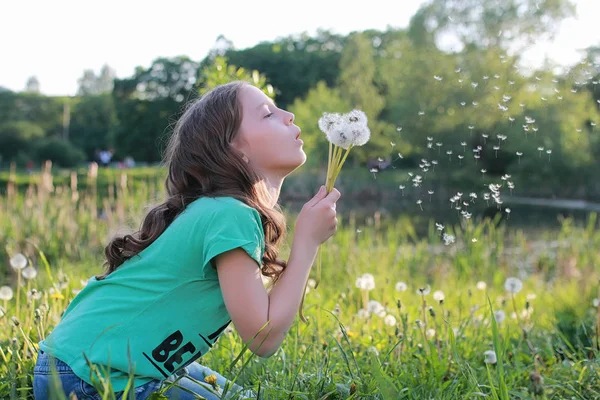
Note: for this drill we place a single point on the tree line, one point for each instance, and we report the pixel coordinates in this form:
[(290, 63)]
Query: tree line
[(468, 103)]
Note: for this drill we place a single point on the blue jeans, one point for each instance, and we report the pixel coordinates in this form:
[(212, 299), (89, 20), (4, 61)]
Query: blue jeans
[(71, 383)]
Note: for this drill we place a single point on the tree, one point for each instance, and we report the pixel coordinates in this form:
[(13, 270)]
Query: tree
[(32, 85), (148, 103), (294, 64), (490, 23), (17, 139), (93, 123), (87, 83), (219, 73)]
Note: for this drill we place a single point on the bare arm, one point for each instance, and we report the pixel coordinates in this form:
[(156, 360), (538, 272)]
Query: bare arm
[(247, 301), (249, 304)]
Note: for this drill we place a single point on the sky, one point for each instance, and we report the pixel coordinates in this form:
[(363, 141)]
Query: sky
[(56, 40)]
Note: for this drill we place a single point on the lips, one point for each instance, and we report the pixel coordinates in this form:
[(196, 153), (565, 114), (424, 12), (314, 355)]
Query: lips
[(298, 135)]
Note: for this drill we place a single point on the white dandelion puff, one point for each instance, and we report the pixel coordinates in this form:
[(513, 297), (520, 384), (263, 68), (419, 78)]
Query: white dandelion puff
[(29, 272), (390, 320), (18, 262), (6, 293), (490, 357), (481, 285), (401, 286), (513, 285), (438, 295)]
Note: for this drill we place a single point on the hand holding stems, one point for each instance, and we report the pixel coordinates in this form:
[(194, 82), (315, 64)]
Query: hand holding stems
[(343, 132)]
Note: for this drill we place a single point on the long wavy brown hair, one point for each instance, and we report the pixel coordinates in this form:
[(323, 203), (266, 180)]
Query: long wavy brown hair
[(202, 162)]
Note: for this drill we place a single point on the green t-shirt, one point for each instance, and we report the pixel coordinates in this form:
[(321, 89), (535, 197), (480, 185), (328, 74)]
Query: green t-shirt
[(165, 304)]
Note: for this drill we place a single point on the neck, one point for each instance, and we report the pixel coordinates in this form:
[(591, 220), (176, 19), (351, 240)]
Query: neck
[(273, 183)]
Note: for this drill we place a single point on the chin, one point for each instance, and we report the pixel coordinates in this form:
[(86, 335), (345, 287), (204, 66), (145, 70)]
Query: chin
[(299, 162)]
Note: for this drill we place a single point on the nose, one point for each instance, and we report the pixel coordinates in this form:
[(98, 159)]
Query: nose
[(289, 118)]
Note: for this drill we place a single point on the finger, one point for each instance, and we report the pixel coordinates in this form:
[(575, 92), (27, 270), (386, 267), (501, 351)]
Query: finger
[(321, 194), (333, 196)]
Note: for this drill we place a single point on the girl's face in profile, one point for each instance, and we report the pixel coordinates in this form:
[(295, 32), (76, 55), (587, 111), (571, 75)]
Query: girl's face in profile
[(267, 134)]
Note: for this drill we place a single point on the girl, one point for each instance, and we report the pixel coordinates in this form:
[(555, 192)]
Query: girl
[(172, 288)]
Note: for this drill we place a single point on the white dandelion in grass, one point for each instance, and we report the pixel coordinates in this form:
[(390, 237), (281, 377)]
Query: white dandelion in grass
[(401, 286), (500, 316), (6, 293), (402, 187), (519, 154), (490, 357), (420, 204), (439, 296), (29, 272), (513, 285), (365, 282), (549, 152), (438, 78), (481, 285), (363, 314), (390, 320), (424, 290), (430, 193), (540, 149), (507, 211), (430, 333), (18, 262)]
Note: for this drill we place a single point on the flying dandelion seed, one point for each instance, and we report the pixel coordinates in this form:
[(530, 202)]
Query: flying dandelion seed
[(519, 154), (437, 78), (464, 146), (496, 148), (421, 113), (399, 129), (549, 152), (430, 192), (460, 157), (448, 239), (402, 187), (439, 227), (374, 171), (419, 203), (507, 211), (474, 240)]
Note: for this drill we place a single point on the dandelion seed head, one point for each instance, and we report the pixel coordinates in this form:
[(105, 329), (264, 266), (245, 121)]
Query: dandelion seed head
[(438, 295), (401, 286), (424, 290), (29, 272), (6, 293), (390, 320), (18, 261), (490, 357), (481, 285), (513, 285)]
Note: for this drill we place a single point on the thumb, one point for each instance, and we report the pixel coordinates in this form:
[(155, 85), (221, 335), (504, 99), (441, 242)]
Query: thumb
[(321, 194)]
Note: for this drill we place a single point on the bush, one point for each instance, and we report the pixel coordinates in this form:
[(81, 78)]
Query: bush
[(60, 152)]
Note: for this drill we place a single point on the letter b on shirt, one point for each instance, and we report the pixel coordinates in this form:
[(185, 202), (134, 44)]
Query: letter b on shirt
[(162, 353)]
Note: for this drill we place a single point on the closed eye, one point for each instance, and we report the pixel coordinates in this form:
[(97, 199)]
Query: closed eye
[(268, 115)]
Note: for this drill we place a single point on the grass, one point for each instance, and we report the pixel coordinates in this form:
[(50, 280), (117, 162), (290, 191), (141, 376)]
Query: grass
[(409, 346)]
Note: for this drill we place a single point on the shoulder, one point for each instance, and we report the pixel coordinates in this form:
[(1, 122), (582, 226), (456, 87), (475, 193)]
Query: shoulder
[(222, 208)]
